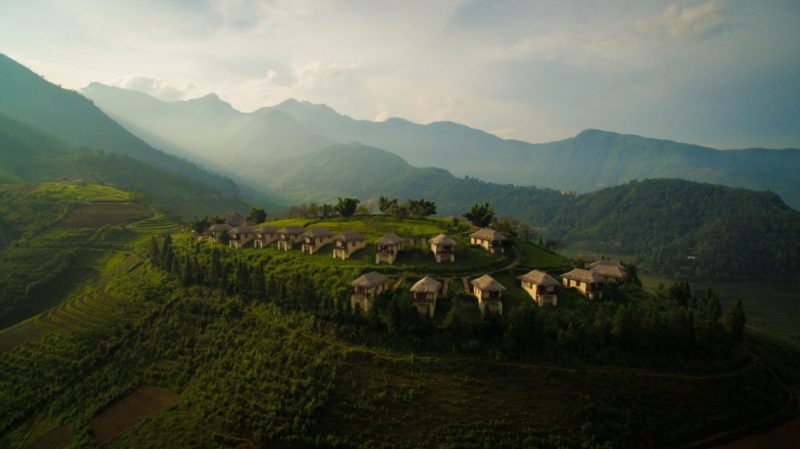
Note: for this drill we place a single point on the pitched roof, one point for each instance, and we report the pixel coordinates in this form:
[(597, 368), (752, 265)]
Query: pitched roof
[(291, 230), (267, 230), (389, 239), (488, 234), (217, 227), (579, 274), (232, 218), (488, 283), (539, 278), (442, 239), (611, 271), (371, 279), (426, 285), (317, 232), (606, 262), (242, 230), (349, 236)]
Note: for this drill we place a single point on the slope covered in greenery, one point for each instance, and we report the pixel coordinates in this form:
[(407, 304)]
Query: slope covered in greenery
[(28, 155), (27, 97), (591, 160), (674, 227)]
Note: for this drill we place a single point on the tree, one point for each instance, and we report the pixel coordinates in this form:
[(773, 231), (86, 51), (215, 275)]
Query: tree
[(734, 321), (199, 225), (421, 207), (347, 206), (386, 205), (256, 216), (480, 215)]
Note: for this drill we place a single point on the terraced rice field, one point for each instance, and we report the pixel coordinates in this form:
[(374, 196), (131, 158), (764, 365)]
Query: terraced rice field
[(82, 314), (129, 410), (157, 224), (97, 215)]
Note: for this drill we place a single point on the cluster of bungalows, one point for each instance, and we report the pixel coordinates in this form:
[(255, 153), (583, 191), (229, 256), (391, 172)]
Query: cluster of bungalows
[(590, 280)]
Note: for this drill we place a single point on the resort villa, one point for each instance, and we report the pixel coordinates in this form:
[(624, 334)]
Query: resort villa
[(315, 239), (490, 240), (216, 230), (366, 288), (489, 293), (424, 295), (610, 270), (387, 248), (443, 248), (541, 286), (233, 219), (589, 283), (288, 236), (265, 236), (346, 243), (241, 236)]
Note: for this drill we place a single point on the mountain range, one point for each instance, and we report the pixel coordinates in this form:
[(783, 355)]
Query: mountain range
[(211, 130)]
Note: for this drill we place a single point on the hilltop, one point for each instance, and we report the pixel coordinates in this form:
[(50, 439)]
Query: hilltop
[(591, 160)]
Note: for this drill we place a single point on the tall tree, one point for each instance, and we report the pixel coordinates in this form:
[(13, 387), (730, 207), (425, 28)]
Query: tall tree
[(347, 206), (480, 215), (256, 216), (386, 205), (421, 207)]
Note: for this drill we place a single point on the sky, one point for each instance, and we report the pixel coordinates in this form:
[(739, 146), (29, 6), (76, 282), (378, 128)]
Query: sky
[(723, 73)]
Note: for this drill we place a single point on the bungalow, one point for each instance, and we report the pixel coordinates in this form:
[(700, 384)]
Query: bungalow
[(588, 282), (241, 236), (489, 293), (346, 243), (610, 270), (387, 248), (541, 286), (288, 236), (443, 248), (315, 239), (233, 219), (490, 240), (265, 236), (366, 288), (424, 295), (216, 230)]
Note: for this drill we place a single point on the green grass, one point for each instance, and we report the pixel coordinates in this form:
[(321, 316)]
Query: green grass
[(534, 256), (82, 193)]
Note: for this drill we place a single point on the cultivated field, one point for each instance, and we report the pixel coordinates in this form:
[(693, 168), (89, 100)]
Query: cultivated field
[(97, 215), (129, 410)]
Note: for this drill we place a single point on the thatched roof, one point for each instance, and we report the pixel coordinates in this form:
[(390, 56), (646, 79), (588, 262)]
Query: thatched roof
[(442, 239), (219, 227), (539, 278), (369, 280), (292, 230), (267, 230), (232, 218), (389, 239), (488, 234), (610, 271), (242, 230), (426, 285), (317, 233), (488, 283), (349, 236), (581, 275), (606, 262)]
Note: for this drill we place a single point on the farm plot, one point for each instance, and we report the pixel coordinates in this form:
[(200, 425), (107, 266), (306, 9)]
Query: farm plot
[(57, 438), (97, 215), (127, 411)]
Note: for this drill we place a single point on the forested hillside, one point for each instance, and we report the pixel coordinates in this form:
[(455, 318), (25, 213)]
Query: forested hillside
[(591, 160), (675, 227), (28, 155), (27, 97)]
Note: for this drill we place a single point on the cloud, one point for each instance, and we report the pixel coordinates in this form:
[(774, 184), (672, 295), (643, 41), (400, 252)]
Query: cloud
[(691, 22), (154, 86)]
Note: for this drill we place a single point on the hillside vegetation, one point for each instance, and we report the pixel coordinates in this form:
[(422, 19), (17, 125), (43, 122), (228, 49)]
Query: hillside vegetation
[(674, 227), (591, 160)]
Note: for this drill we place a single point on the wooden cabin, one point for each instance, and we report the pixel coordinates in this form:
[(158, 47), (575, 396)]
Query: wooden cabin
[(315, 239), (241, 236), (288, 236), (611, 271), (443, 248), (346, 243), (217, 229), (366, 288), (541, 287), (424, 295), (265, 236), (489, 293), (588, 282), (490, 240), (387, 248)]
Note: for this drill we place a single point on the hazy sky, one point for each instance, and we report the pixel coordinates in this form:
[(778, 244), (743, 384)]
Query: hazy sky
[(724, 73)]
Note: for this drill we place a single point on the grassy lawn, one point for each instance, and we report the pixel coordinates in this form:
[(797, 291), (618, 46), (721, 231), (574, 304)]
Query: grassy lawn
[(534, 256)]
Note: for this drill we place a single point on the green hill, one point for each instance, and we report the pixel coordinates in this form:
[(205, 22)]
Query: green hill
[(27, 97), (591, 160), (29, 155), (725, 231)]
